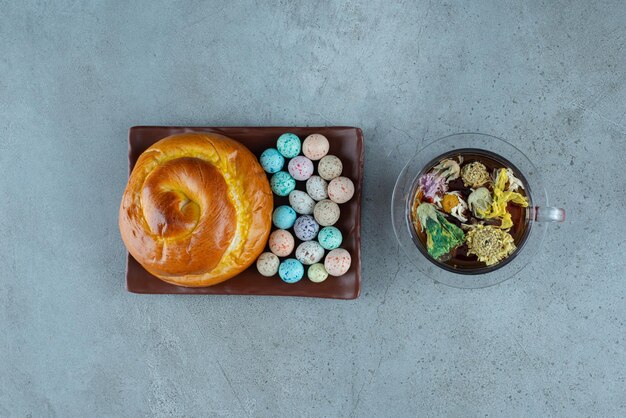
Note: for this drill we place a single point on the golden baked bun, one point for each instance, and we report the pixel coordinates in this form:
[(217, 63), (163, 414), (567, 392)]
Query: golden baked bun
[(197, 209)]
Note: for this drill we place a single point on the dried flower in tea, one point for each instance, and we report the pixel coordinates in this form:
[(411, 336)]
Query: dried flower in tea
[(479, 201), (432, 186), (454, 204), (448, 202), (500, 200), (514, 182), (489, 244), (474, 174), (448, 169), (441, 235)]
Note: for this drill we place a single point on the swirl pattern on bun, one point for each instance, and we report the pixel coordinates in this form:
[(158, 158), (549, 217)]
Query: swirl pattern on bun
[(197, 209)]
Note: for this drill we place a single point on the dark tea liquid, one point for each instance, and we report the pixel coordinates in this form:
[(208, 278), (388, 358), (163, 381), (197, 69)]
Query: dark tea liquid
[(458, 260)]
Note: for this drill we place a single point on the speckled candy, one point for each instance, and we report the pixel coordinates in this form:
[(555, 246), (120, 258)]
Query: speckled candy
[(329, 237), (282, 183), (315, 146), (291, 270), (306, 228), (317, 188), (288, 145), (284, 217), (281, 242), (329, 167), (337, 262), (301, 202), (309, 252), (317, 273), (272, 161), (340, 189), (300, 168), (267, 264), (326, 212)]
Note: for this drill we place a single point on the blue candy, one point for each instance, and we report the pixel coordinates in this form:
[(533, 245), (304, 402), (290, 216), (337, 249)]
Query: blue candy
[(291, 270), (330, 237), (289, 145), (282, 183), (306, 228), (272, 161), (284, 217)]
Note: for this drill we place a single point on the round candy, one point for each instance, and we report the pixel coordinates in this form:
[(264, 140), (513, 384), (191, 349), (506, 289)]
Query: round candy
[(317, 188), (309, 252), (306, 228), (291, 270), (337, 262), (284, 217), (282, 183), (340, 189), (329, 167), (315, 146), (288, 145), (326, 212), (301, 202), (281, 243), (267, 264), (300, 168), (272, 161), (317, 273), (329, 237)]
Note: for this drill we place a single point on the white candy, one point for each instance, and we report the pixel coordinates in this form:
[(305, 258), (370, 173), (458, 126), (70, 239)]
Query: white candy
[(317, 188), (326, 212), (309, 252), (329, 167), (301, 202), (267, 264)]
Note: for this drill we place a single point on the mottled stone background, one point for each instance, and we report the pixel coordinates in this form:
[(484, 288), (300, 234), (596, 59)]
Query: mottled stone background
[(74, 75)]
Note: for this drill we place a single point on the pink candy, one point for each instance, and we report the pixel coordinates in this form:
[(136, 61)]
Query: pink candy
[(337, 262), (300, 168)]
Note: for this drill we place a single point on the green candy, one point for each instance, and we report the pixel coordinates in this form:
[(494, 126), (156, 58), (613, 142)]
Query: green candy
[(330, 237), (282, 183), (289, 145)]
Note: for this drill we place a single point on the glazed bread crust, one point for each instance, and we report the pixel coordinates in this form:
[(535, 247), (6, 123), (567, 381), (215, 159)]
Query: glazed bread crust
[(197, 209)]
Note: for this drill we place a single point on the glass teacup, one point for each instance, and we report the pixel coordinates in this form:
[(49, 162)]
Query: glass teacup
[(531, 223)]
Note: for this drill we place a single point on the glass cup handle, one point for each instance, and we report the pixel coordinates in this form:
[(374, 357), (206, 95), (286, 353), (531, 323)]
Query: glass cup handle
[(549, 214)]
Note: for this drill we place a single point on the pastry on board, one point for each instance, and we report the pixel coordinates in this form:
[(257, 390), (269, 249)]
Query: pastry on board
[(197, 209)]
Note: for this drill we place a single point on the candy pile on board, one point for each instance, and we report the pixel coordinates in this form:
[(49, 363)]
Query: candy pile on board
[(310, 215)]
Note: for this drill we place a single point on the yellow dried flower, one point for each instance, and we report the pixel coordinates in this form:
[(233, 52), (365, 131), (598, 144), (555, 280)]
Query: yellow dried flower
[(490, 244), (448, 202), (474, 174), (500, 200)]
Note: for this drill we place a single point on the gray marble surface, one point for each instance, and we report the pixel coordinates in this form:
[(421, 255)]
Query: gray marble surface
[(548, 76)]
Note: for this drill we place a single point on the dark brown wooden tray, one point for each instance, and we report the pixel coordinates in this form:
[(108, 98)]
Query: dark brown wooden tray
[(345, 142)]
